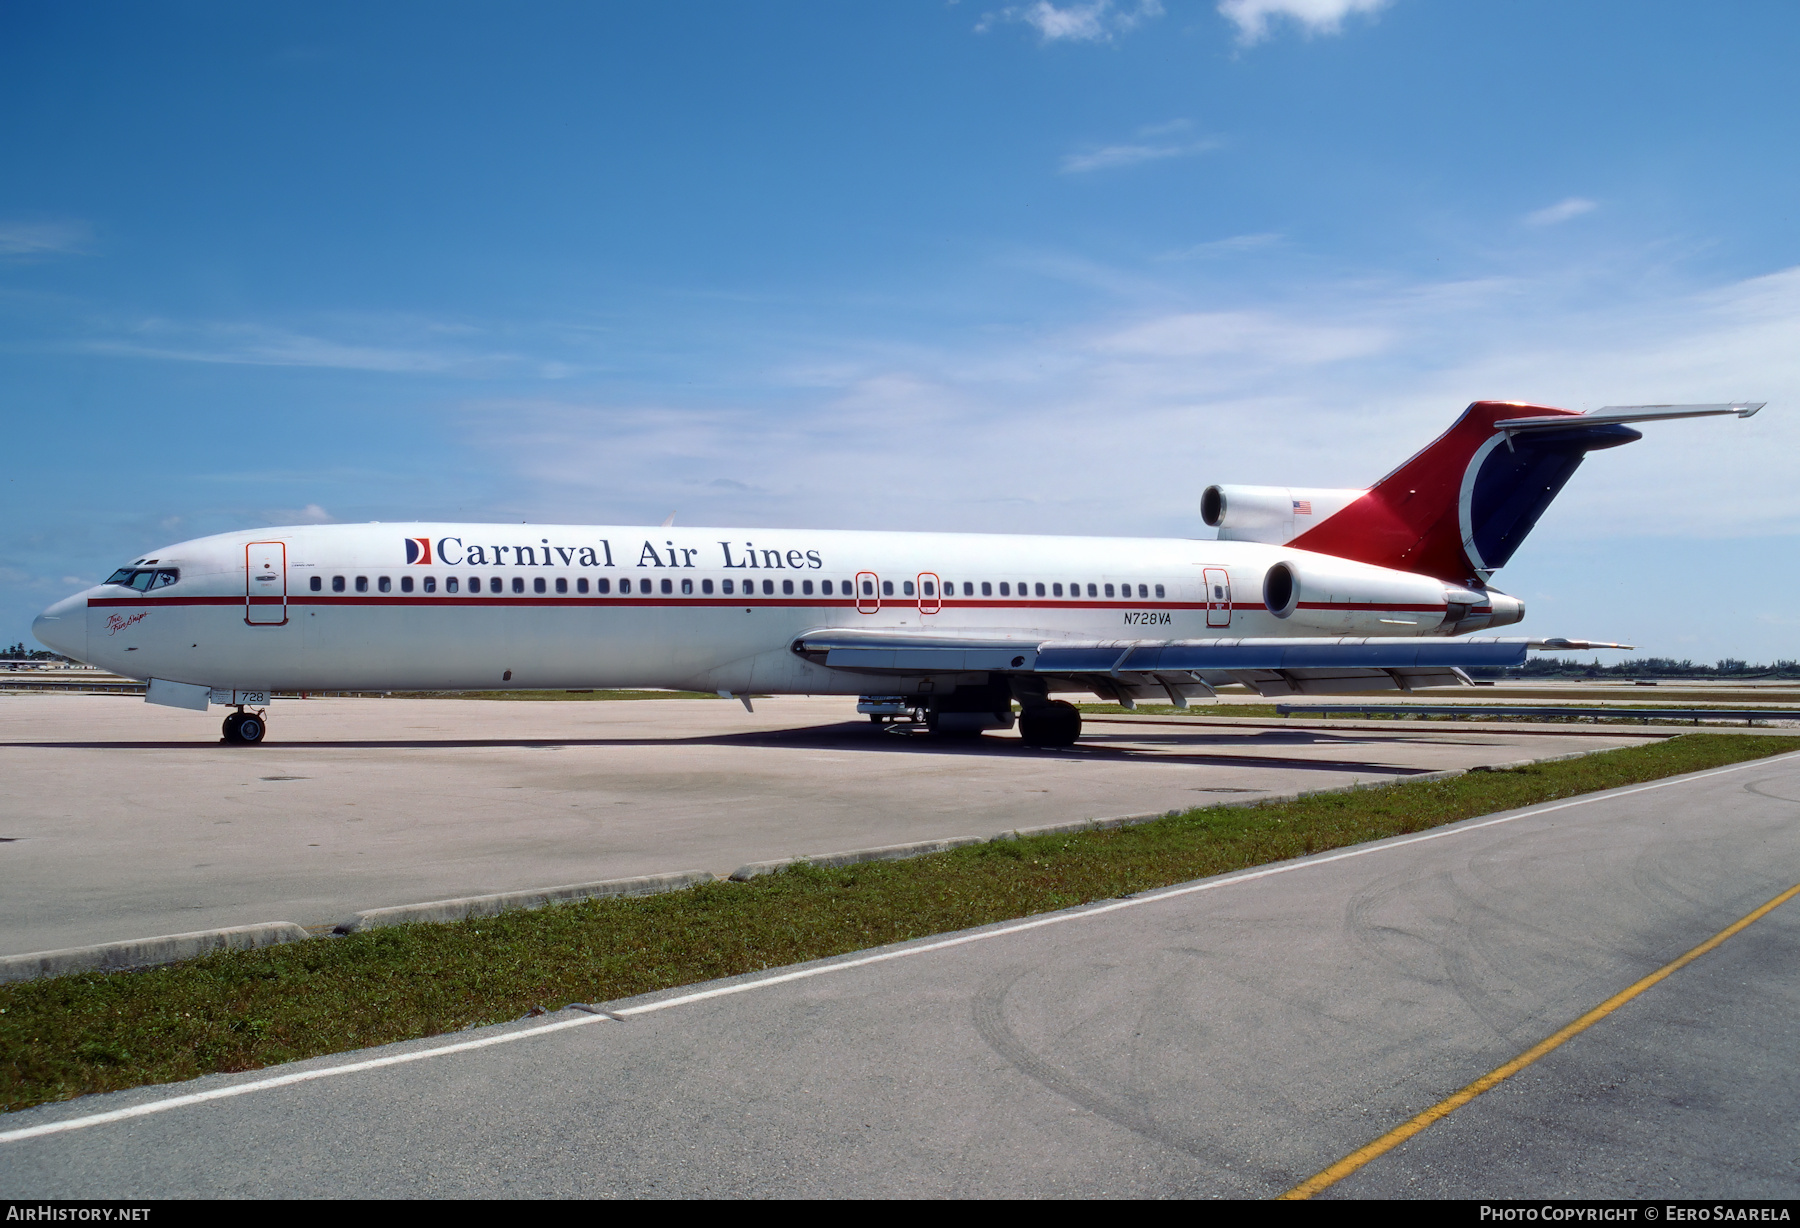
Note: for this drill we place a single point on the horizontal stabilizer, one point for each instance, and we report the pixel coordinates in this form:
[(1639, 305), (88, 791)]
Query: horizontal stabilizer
[(1629, 413)]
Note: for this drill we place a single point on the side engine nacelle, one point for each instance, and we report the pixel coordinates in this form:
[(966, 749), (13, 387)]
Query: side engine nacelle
[(1346, 598), (1275, 515)]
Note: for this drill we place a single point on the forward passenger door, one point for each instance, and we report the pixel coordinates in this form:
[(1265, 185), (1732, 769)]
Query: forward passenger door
[(265, 584)]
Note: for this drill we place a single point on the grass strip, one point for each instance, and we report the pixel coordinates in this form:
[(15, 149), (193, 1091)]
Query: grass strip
[(1626, 712), (236, 1011)]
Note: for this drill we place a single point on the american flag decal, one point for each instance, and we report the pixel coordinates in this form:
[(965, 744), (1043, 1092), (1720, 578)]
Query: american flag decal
[(1302, 507)]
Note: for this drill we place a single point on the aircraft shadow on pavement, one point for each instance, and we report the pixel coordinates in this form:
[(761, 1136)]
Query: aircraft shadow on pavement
[(1163, 747)]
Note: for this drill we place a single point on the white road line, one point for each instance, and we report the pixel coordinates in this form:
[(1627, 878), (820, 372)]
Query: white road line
[(300, 1076), (782, 978)]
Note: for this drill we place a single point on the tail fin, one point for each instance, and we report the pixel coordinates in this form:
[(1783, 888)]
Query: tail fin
[(1459, 509)]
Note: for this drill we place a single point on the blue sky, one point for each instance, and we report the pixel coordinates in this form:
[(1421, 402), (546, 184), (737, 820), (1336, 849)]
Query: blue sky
[(1018, 268)]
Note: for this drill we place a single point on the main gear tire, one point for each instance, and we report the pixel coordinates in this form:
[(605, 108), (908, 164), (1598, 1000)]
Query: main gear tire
[(1057, 724)]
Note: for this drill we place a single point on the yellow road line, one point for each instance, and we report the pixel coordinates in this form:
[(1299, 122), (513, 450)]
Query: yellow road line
[(1399, 1134)]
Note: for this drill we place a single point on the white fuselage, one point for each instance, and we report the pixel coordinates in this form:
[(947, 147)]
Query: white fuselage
[(484, 607)]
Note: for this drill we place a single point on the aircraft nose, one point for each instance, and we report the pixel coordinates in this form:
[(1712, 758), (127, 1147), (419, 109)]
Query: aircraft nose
[(63, 627)]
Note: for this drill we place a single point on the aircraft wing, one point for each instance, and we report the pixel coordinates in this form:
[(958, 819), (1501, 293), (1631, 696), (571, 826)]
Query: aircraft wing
[(1181, 670)]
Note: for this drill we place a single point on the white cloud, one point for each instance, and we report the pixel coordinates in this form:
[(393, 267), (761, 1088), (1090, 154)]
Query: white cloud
[(1150, 144), (1561, 211), (43, 238), (1094, 22), (1109, 156), (1254, 17), (1249, 336), (1235, 245), (408, 347)]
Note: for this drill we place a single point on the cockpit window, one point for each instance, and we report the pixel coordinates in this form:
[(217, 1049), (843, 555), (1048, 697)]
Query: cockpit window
[(144, 579)]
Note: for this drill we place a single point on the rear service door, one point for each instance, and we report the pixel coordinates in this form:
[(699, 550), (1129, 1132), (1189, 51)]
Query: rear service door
[(265, 583), (1218, 597)]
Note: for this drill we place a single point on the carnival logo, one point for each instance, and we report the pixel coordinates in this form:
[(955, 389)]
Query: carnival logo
[(116, 624), (418, 550)]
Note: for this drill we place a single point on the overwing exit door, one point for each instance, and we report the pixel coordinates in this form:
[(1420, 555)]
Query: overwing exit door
[(1218, 596), (929, 600), (265, 583)]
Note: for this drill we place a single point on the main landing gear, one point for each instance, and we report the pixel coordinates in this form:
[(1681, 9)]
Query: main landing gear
[(244, 728), (1057, 723)]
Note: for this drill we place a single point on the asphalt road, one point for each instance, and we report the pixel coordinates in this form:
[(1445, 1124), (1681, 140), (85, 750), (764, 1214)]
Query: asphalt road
[(1226, 1038), (120, 820)]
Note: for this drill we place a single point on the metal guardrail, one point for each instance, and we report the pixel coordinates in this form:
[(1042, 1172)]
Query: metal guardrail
[(86, 688), (1696, 715)]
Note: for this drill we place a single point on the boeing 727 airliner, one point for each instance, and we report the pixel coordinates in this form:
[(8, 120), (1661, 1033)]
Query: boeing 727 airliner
[(1303, 592)]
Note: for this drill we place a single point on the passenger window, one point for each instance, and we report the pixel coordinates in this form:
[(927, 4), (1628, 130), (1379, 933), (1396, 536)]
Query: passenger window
[(317, 584), (1159, 592), (450, 584), (603, 586), (725, 587), (929, 592), (844, 588), (1109, 590), (474, 584), (518, 584), (537, 584), (687, 587), (406, 584), (562, 584), (1056, 589), (806, 588), (581, 585), (869, 588), (1005, 589), (987, 588), (706, 587), (887, 588), (385, 585), (768, 588), (1040, 589), (625, 585), (906, 587), (1142, 591), (431, 584), (825, 587), (362, 584), (968, 588), (1092, 591), (787, 588), (668, 586)]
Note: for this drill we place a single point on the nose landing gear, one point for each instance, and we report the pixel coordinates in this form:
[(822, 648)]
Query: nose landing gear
[(244, 728)]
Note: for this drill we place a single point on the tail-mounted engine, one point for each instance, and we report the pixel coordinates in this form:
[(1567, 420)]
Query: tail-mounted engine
[(1346, 598)]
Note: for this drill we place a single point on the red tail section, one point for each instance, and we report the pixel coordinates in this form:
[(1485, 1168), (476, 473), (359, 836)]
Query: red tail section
[(1428, 516)]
